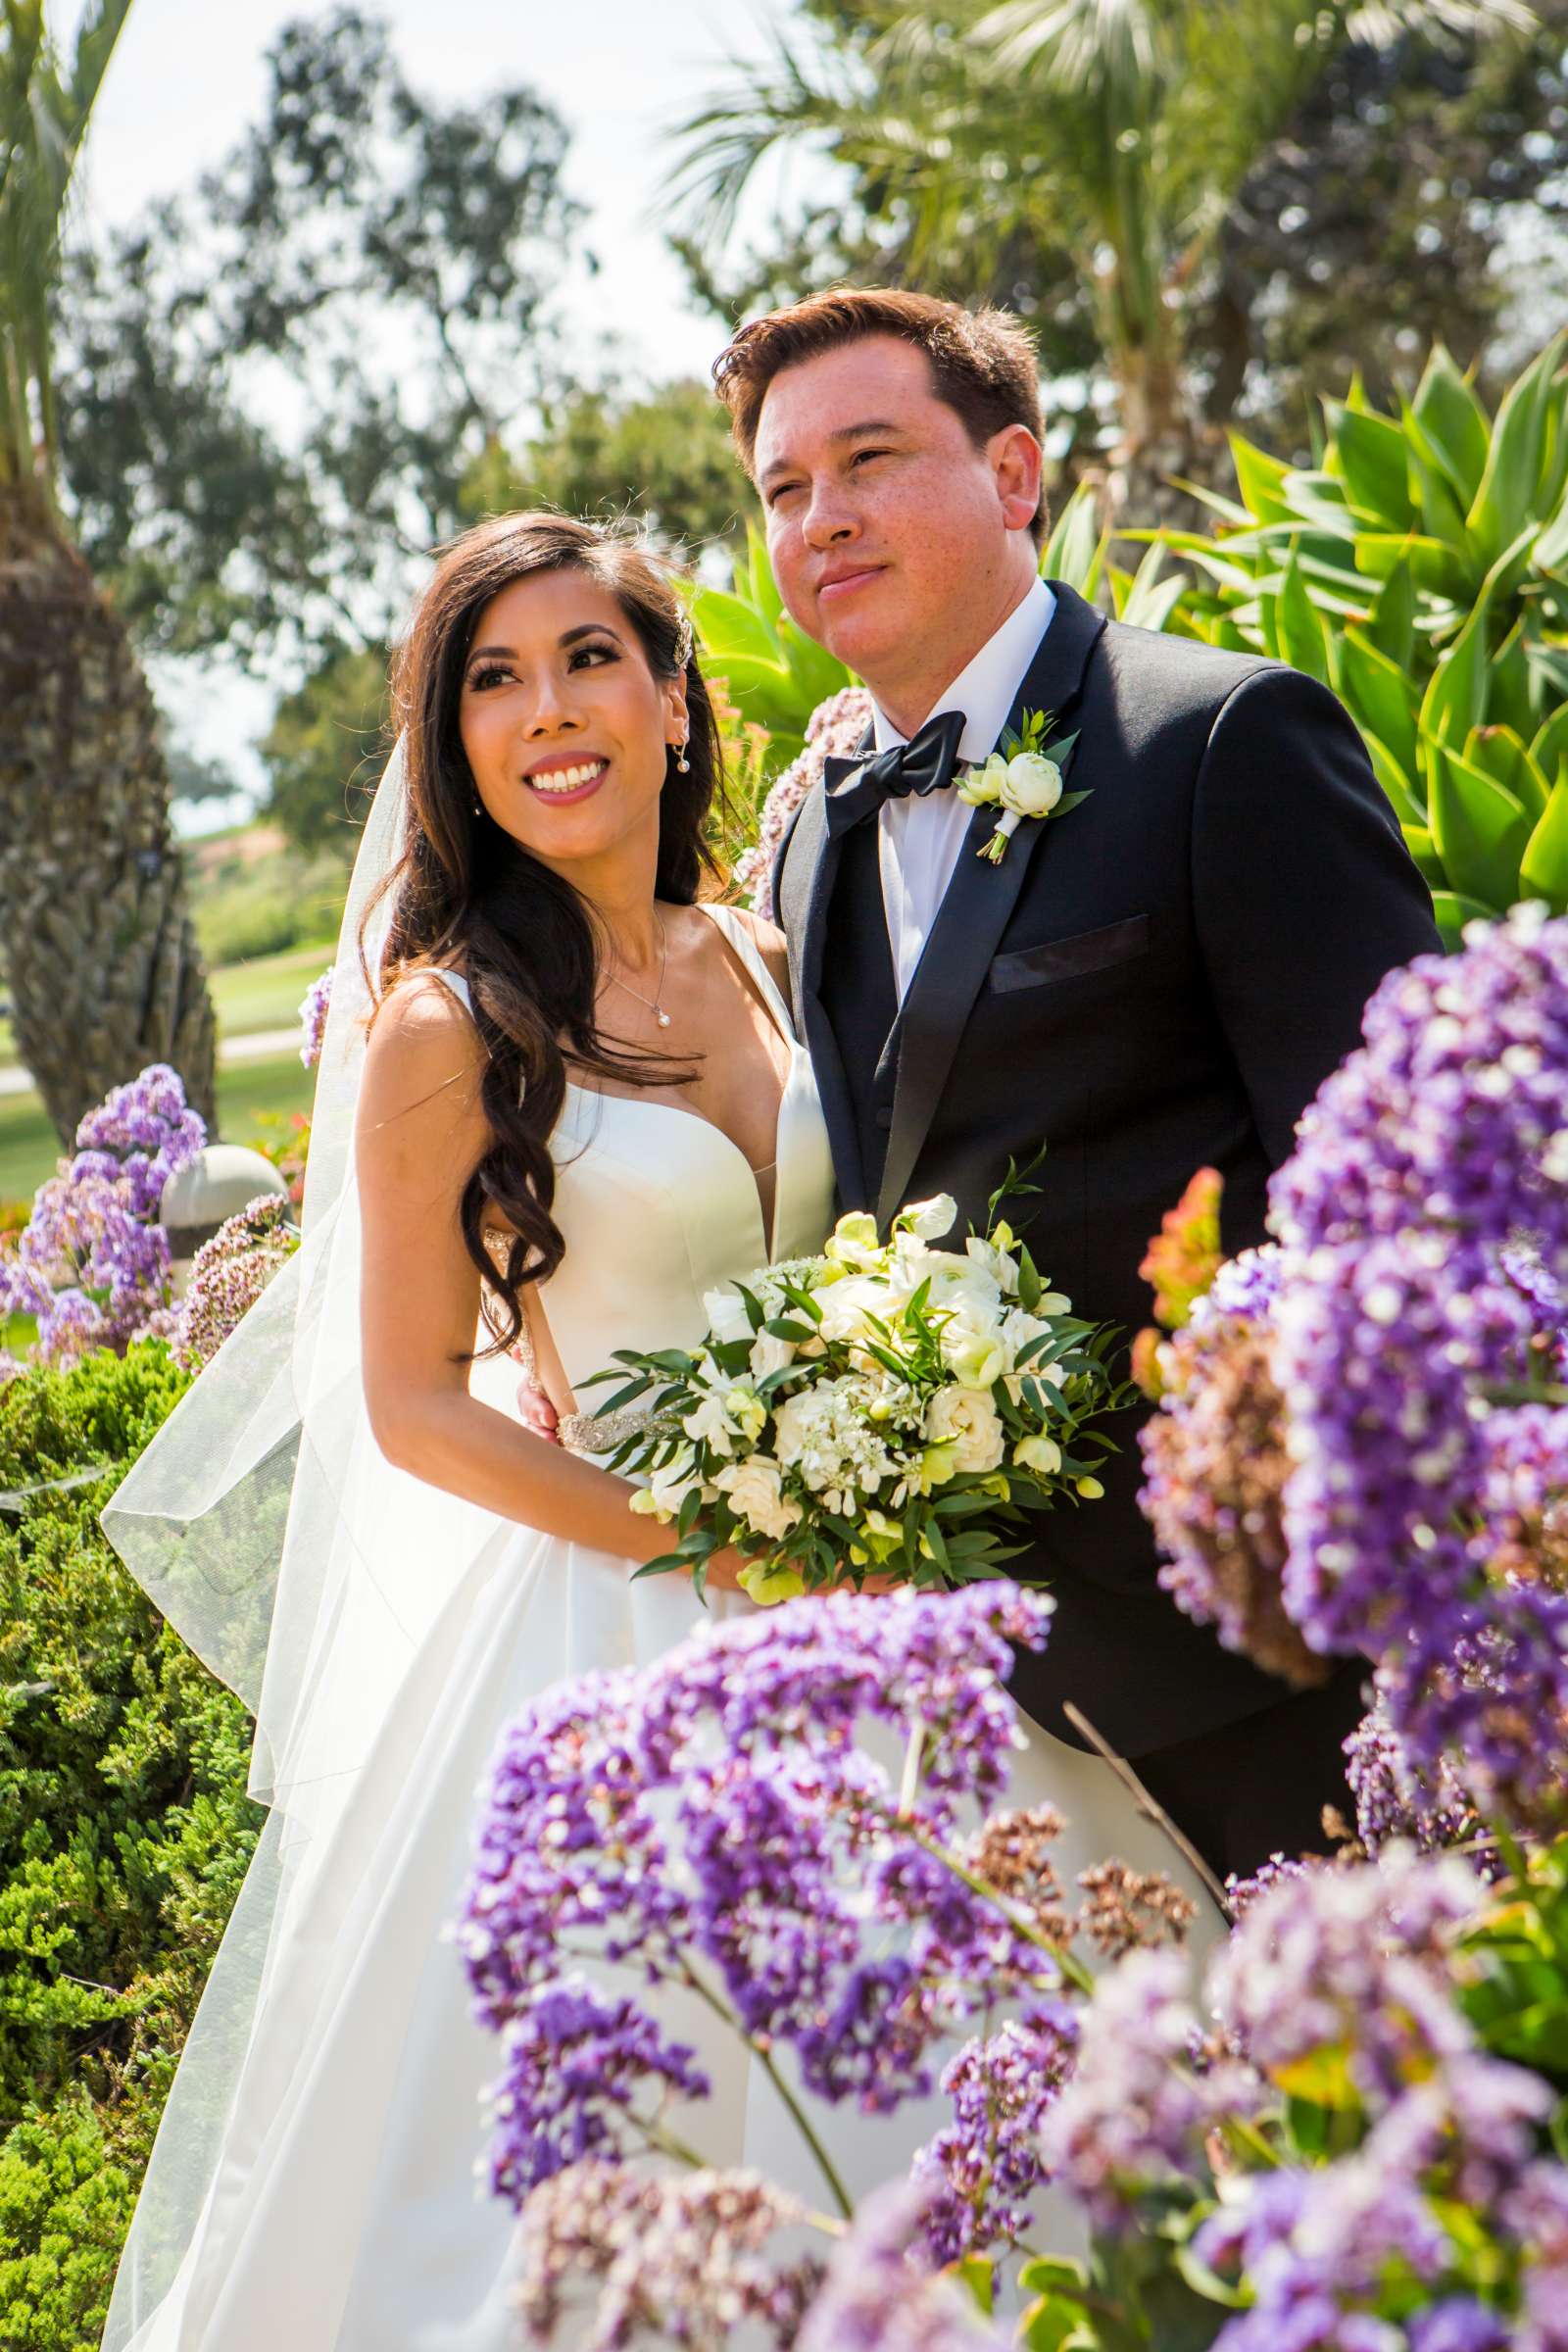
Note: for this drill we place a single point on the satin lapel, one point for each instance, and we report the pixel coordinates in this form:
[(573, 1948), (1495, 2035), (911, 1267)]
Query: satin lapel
[(811, 870), (976, 910)]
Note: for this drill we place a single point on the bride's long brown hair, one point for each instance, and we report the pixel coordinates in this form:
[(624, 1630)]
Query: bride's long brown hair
[(469, 894)]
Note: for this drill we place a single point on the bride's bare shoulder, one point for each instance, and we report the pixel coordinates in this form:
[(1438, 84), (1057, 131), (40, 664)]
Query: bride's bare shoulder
[(422, 1041), (768, 938)]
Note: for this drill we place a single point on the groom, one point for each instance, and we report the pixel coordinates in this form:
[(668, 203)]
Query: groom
[(1156, 980)]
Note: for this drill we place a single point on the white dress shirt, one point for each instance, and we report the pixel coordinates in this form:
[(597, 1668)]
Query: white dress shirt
[(919, 839)]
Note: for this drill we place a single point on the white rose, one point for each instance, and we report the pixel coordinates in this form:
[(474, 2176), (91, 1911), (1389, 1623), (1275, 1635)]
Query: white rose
[(795, 1424), (1032, 784), (756, 1491), (968, 1420), (846, 1305), (770, 1355), (726, 1315)]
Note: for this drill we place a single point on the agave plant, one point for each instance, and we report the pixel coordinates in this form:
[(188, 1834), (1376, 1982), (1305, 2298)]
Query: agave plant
[(1420, 568)]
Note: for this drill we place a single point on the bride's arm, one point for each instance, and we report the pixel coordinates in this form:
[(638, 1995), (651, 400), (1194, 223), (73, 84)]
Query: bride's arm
[(420, 1130)]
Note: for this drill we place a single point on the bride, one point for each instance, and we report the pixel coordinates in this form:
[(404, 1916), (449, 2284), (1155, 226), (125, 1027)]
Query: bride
[(560, 1098)]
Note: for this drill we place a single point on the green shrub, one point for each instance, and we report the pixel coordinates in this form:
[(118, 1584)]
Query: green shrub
[(125, 1832), (1420, 568)]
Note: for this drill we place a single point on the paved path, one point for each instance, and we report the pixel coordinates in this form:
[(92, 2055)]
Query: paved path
[(258, 1046)]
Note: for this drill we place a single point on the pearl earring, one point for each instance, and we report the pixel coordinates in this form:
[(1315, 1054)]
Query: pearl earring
[(682, 763)]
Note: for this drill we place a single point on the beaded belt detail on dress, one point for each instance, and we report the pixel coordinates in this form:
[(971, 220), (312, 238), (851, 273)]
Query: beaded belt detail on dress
[(580, 1433), (600, 1433)]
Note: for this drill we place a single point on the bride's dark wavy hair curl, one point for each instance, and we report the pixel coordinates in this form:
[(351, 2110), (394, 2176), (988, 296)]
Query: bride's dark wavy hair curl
[(469, 895)]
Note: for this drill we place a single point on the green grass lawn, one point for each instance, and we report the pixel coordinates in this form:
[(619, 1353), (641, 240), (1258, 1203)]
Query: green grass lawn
[(247, 1091), (263, 993)]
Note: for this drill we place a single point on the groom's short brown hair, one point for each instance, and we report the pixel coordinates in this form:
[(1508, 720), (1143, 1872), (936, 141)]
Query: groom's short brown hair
[(982, 362)]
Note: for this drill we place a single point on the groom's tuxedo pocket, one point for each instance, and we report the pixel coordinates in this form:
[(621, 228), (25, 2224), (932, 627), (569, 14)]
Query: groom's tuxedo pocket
[(1069, 959)]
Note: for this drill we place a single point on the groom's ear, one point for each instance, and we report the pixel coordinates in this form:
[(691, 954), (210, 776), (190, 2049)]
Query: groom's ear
[(1017, 464)]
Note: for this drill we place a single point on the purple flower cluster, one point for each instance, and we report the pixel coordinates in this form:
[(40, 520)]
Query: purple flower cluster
[(985, 2166), (579, 2066), (833, 731), (680, 2260), (1133, 2114), (712, 1814), (1426, 1213), (1316, 2247), (313, 1008), (1397, 1798), (92, 1264), (227, 1276), (880, 2296), (1351, 1962)]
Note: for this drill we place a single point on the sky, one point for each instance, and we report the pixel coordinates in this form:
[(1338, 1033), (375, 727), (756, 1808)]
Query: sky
[(188, 75)]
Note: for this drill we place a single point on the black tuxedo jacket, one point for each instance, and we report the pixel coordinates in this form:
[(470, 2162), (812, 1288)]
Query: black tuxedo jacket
[(1158, 980)]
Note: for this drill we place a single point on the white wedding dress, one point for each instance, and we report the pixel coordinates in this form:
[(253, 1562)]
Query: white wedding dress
[(340, 2209)]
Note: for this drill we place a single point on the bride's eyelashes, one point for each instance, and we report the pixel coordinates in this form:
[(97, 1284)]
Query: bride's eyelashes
[(497, 674)]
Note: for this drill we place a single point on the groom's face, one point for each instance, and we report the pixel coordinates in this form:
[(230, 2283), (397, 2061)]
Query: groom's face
[(890, 532)]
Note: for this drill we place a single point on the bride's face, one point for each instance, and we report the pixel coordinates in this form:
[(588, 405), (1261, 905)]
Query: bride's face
[(566, 725)]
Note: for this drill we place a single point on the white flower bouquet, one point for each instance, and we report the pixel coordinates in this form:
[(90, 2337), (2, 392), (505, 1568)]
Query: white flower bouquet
[(885, 1407)]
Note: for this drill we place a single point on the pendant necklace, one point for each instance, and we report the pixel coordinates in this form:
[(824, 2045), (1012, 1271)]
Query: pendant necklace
[(653, 1004)]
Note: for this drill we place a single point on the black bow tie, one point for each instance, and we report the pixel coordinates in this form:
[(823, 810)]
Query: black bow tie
[(858, 788)]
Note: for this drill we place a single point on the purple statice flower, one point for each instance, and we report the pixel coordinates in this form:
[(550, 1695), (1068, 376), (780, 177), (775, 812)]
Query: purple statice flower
[(584, 2073), (1276, 1871), (313, 1008), (570, 1856), (1459, 2323), (1216, 1465), (92, 1264), (1352, 1960), (985, 2166), (880, 2295), (1396, 1798), (1425, 1210), (715, 1808), (1245, 1284), (1535, 2217), (1132, 2114), (227, 1276), (1313, 2246), (681, 2260), (833, 731), (142, 1133)]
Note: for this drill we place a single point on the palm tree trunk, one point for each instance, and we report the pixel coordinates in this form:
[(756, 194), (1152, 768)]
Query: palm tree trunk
[(1161, 437), (104, 971)]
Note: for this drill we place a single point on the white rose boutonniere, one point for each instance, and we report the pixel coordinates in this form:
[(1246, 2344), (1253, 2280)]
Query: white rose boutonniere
[(1024, 779)]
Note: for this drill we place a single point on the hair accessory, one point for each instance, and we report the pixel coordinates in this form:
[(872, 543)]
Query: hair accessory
[(683, 641)]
